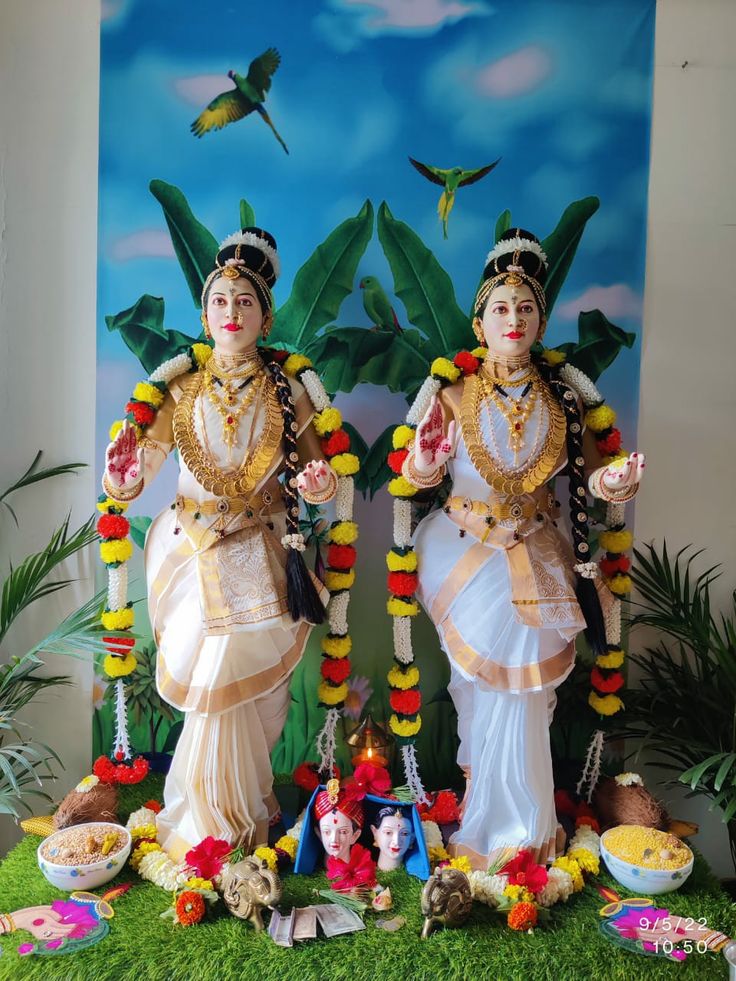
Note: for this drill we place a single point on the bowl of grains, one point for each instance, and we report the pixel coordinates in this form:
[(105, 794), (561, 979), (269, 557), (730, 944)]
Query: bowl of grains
[(84, 856), (645, 860)]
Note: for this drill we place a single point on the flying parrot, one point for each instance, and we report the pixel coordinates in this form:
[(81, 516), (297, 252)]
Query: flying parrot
[(451, 180), (377, 306), (248, 95)]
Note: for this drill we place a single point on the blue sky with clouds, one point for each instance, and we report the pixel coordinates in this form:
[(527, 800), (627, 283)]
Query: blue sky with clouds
[(560, 91)]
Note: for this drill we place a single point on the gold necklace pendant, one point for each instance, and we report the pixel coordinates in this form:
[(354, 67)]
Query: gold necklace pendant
[(227, 407)]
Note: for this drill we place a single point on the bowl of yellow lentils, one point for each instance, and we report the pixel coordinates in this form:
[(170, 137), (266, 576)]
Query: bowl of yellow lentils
[(646, 860), (84, 856)]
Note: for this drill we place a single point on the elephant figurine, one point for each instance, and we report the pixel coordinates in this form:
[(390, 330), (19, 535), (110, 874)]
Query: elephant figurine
[(248, 887), (446, 899)]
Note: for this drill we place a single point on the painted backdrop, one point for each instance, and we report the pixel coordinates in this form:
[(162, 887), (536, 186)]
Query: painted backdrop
[(559, 94)]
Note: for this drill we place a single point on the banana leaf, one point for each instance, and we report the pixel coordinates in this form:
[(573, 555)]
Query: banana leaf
[(423, 286), (139, 526), (347, 356), (562, 244), (194, 245), (247, 214), (375, 471), (598, 344), (142, 328), (322, 283), (503, 223), (359, 447)]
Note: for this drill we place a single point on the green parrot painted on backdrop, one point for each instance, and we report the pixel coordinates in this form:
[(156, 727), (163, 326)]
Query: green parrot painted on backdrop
[(451, 180), (248, 96), (376, 305)]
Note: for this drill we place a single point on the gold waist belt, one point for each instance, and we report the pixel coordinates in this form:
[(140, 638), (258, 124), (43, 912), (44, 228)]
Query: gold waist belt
[(497, 510), (222, 506)]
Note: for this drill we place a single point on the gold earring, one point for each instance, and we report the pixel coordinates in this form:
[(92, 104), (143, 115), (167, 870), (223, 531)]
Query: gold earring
[(478, 329), (206, 326), (266, 325)]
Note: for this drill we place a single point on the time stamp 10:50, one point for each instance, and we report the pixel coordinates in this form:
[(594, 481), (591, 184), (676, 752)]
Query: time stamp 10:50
[(683, 930)]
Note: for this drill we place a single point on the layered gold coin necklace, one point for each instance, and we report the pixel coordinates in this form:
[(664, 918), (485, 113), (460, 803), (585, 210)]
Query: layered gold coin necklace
[(223, 384)]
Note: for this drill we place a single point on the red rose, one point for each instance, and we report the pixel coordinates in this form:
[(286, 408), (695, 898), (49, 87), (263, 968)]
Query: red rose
[(337, 442), (142, 412), (609, 567), (607, 685), (406, 702), (113, 526), (466, 362), (341, 557), (611, 443), (336, 670), (208, 857), (402, 583), (396, 459)]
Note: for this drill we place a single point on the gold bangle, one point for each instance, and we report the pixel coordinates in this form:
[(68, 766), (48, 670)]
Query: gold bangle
[(325, 495), (117, 493), (421, 480)]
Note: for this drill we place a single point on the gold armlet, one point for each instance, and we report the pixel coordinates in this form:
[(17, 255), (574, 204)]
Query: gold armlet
[(324, 495), (421, 480), (117, 493)]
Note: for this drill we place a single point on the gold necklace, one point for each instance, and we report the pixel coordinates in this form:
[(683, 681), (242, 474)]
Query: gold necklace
[(516, 412), (535, 472), (256, 463), (228, 408)]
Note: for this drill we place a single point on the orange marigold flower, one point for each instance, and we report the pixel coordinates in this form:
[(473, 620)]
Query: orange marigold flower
[(523, 916), (189, 907)]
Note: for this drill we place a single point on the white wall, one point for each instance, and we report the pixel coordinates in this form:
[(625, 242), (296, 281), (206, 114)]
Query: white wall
[(48, 159)]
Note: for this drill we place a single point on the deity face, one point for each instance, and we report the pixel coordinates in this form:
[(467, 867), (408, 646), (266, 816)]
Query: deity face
[(234, 314), (338, 835), (511, 320), (393, 837)]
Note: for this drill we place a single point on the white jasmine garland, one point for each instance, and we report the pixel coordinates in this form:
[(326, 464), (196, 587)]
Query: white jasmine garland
[(488, 889), (432, 835), (294, 541), (170, 369), (430, 387), (579, 382), (315, 389), (344, 499), (615, 514), (250, 238), (612, 620), (159, 869), (338, 613), (117, 586), (586, 837), (402, 522), (144, 815), (517, 244), (296, 831), (402, 640), (558, 889)]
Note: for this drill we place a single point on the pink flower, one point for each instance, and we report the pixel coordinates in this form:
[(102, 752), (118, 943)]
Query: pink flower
[(367, 779), (360, 870), (522, 870), (208, 857)]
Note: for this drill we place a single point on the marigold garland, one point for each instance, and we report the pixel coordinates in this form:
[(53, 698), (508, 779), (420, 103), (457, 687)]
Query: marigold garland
[(336, 645), (190, 907), (523, 916), (402, 437), (401, 560)]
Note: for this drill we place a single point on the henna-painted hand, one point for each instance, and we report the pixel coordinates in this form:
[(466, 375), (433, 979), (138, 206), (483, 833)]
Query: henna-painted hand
[(431, 448), (314, 478), (124, 458), (624, 478)]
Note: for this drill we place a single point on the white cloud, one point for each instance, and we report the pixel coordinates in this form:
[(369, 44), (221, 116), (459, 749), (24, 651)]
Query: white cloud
[(145, 243), (618, 302), (199, 90), (517, 73)]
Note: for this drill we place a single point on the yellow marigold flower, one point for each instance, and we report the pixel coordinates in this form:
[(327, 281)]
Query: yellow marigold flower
[(119, 550), (400, 487), (115, 429), (329, 695), (461, 862), (615, 541), (339, 580), (196, 883), (572, 868), (122, 619), (145, 392), (288, 844), (519, 894), (202, 353), (337, 646), (403, 679), (268, 855), (402, 608), (606, 704), (108, 503), (294, 364), (405, 728), (553, 357), (614, 659), (480, 353), (143, 831), (402, 436), (401, 563), (145, 848), (444, 368), (345, 464), (585, 858), (438, 854), (620, 457), (620, 585), (119, 667), (327, 421), (343, 533), (600, 418)]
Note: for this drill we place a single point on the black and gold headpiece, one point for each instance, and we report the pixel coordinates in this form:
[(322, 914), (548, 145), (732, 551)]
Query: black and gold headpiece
[(516, 258), (250, 253)]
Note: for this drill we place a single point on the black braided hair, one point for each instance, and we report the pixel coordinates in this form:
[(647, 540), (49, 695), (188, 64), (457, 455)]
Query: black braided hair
[(585, 591), (302, 597)]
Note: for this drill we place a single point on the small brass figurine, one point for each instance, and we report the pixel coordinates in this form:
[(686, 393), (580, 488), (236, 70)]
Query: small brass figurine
[(248, 887), (446, 899)]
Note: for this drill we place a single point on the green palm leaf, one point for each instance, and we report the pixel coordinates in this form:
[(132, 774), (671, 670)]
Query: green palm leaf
[(33, 475)]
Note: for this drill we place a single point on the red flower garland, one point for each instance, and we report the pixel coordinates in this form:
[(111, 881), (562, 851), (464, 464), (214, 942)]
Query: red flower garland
[(336, 670), (107, 771), (466, 362), (609, 567), (306, 776), (406, 702), (609, 444), (337, 442), (111, 526), (606, 684), (396, 459), (402, 583), (341, 556), (143, 414)]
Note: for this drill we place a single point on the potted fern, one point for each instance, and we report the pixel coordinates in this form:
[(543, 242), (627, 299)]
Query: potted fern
[(684, 713)]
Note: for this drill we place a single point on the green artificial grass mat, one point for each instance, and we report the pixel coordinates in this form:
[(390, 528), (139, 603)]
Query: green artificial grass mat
[(143, 947)]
